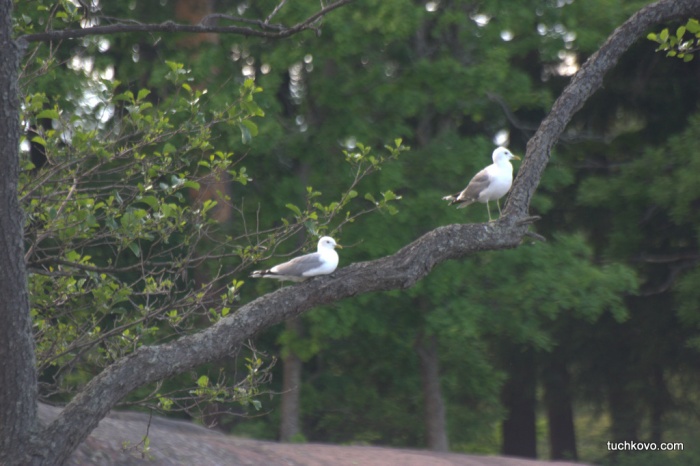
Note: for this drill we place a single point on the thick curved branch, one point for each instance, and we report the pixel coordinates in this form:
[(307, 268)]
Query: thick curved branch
[(584, 83), (153, 363), (260, 28), (401, 270)]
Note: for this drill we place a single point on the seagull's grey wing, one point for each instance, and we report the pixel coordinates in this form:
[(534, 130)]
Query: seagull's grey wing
[(297, 266), (471, 193)]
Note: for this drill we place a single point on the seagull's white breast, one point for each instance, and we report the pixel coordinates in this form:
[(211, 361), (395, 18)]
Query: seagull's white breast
[(329, 262), (500, 181)]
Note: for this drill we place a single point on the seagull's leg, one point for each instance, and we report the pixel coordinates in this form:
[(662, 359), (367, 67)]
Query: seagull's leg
[(488, 209), (498, 203)]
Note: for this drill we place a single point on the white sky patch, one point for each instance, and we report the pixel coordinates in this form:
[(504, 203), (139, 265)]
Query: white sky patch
[(103, 45), (501, 138), (297, 89), (568, 65), (506, 35), (431, 7), (248, 71), (481, 19), (300, 120)]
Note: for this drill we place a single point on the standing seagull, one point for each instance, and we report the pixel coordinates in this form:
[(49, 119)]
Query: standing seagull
[(322, 262), (490, 184)]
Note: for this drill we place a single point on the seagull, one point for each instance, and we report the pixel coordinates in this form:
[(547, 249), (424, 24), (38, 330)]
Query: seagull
[(322, 262), (490, 184)]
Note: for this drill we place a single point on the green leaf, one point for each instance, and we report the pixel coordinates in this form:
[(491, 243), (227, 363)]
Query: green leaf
[(252, 127), (152, 201), (39, 140), (174, 66), (246, 133), (680, 32), (664, 35), (135, 248), (168, 148), (143, 93), (203, 381), (390, 196), (693, 26), (294, 209), (49, 113), (246, 137)]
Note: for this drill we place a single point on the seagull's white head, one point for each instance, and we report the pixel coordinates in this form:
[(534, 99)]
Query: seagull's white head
[(501, 154), (327, 242)]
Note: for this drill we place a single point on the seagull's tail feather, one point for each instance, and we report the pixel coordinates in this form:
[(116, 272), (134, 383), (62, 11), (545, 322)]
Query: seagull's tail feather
[(455, 199), (261, 273)]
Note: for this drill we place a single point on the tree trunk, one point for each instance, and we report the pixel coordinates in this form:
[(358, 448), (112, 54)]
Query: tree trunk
[(560, 415), (433, 404), (623, 405), (290, 411), (519, 430), (18, 397)]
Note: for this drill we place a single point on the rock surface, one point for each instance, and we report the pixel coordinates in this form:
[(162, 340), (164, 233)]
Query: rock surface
[(117, 441)]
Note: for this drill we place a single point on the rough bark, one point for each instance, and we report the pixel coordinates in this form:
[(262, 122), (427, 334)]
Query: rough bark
[(18, 399), (401, 270), (290, 410), (433, 404)]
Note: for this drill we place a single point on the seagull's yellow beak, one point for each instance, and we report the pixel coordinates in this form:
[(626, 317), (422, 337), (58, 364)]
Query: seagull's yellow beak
[(338, 246), (516, 157)]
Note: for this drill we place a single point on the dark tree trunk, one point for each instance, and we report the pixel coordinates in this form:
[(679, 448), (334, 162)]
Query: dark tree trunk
[(433, 404), (519, 398), (623, 406), (18, 397), (560, 414), (658, 405), (290, 410)]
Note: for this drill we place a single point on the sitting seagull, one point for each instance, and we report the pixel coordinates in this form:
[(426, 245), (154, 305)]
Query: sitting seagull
[(322, 262), (490, 184)]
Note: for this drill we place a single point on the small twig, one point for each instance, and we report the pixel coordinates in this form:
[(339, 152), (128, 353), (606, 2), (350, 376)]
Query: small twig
[(528, 220), (274, 12), (263, 29), (535, 236)]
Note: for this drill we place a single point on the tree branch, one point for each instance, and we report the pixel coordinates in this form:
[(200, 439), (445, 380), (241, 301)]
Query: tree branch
[(153, 363), (264, 29), (583, 84)]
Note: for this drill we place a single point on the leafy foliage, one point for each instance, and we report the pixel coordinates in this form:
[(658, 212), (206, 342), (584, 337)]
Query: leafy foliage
[(683, 44), (126, 208)]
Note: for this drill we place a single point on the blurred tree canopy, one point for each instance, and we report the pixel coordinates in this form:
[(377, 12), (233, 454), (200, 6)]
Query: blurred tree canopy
[(158, 168)]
